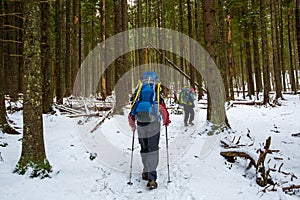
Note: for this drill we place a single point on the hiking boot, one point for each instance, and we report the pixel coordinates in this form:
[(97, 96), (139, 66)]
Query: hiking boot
[(185, 124), (151, 184), (144, 176), (191, 123)]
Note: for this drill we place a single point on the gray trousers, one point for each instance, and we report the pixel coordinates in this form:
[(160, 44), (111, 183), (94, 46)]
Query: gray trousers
[(149, 139)]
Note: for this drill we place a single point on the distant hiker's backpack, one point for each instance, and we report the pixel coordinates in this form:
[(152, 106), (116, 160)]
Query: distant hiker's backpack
[(184, 96), (145, 105)]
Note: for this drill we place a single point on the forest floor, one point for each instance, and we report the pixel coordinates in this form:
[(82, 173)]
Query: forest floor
[(96, 165)]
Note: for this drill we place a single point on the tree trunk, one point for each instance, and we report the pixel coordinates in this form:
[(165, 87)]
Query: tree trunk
[(265, 53), (292, 70), (198, 39), (191, 48), (33, 151), (256, 60), (281, 49), (120, 63), (68, 74), (4, 125), (297, 15), (12, 65), (217, 116), (75, 63), (59, 68), (250, 82), (277, 74), (229, 50), (46, 55)]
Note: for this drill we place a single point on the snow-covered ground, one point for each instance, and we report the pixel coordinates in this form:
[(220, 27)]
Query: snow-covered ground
[(197, 171)]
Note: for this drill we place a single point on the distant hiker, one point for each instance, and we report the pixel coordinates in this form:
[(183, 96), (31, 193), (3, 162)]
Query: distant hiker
[(147, 108), (186, 99)]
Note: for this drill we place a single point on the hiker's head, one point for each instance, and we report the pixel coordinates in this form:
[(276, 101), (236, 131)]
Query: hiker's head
[(192, 90), (149, 77)]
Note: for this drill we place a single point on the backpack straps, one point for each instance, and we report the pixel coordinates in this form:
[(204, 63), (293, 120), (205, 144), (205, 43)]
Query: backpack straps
[(137, 94), (158, 96)]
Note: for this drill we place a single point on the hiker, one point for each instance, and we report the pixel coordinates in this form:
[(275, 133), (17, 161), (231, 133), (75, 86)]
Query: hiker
[(147, 108), (186, 99)]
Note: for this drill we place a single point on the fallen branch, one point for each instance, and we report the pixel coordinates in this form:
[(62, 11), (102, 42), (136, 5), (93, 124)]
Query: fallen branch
[(231, 154), (292, 187), (102, 120), (66, 109)]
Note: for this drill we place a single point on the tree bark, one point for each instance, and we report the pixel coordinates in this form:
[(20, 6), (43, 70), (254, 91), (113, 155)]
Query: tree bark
[(265, 53), (198, 39), (68, 74), (216, 116), (256, 59), (292, 70), (276, 67), (250, 82), (46, 55), (33, 151), (75, 40), (297, 15), (229, 50)]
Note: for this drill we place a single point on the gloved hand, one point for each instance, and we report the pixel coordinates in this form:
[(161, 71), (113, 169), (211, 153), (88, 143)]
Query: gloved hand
[(131, 120), (167, 121)]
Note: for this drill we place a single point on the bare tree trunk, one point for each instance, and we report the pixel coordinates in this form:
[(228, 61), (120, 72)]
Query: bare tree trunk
[(46, 57), (292, 70), (59, 72), (297, 15), (281, 49), (33, 151), (198, 39), (265, 53), (277, 74), (68, 74), (256, 60), (191, 48), (250, 82), (75, 40), (221, 45), (215, 115), (229, 50)]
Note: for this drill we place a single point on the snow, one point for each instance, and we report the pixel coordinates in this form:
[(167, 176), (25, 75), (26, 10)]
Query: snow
[(197, 170)]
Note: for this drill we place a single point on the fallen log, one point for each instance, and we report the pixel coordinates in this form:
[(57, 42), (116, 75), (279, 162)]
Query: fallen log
[(291, 187), (229, 155)]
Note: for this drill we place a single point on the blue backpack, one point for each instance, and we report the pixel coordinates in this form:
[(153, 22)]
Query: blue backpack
[(145, 105), (185, 96)]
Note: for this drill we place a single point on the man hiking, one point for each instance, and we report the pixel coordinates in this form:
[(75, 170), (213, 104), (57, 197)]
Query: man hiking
[(186, 99), (147, 108)]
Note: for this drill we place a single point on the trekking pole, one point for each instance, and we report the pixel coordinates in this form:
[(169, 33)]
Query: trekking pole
[(132, 146), (167, 147)]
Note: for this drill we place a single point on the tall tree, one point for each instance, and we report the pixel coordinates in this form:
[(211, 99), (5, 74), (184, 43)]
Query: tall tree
[(281, 42), (33, 156), (292, 70), (46, 57), (12, 56), (68, 72), (121, 63), (229, 50), (59, 67), (297, 15), (4, 125), (265, 53), (198, 39), (75, 39), (215, 115), (246, 34), (276, 67), (256, 58)]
